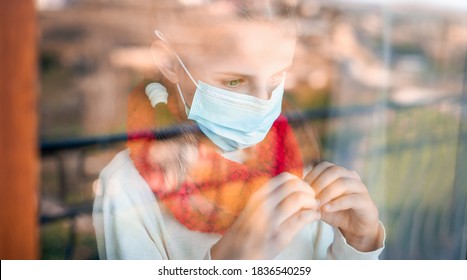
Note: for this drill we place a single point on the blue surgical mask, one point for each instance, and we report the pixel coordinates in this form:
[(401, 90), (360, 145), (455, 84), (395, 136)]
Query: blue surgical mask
[(231, 120)]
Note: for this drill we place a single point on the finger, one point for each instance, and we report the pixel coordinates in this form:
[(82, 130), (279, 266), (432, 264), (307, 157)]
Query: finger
[(292, 204), (270, 186), (339, 187), (290, 227), (346, 202), (330, 175), (356, 175), (316, 171), (293, 189), (289, 187)]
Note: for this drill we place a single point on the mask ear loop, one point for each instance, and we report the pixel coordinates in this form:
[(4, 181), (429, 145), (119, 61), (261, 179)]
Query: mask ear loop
[(161, 36)]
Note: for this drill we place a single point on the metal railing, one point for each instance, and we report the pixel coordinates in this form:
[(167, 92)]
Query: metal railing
[(55, 149)]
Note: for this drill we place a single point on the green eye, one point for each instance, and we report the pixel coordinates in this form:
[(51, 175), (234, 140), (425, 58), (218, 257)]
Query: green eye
[(233, 83)]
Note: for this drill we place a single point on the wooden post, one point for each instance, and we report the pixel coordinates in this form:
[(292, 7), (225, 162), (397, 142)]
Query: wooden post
[(18, 130)]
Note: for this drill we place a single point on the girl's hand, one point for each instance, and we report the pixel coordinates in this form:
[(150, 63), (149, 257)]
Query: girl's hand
[(344, 202), (271, 218)]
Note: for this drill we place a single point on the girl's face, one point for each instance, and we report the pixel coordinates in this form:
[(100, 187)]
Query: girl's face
[(248, 57)]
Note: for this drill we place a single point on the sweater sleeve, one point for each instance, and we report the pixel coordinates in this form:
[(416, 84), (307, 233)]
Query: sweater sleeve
[(341, 250), (121, 232), (127, 241), (126, 219)]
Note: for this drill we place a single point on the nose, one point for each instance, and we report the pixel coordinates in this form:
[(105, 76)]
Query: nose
[(261, 92)]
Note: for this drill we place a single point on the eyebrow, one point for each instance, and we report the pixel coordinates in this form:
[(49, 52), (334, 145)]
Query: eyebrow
[(243, 75)]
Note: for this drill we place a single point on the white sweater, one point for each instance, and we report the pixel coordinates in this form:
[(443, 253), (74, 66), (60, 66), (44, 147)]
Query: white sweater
[(131, 224)]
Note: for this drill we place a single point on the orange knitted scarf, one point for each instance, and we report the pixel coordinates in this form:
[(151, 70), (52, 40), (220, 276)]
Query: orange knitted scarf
[(211, 190)]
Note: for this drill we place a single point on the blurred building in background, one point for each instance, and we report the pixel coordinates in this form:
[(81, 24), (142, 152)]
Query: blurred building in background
[(381, 82)]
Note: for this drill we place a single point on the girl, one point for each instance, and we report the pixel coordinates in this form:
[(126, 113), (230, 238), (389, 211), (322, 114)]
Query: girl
[(235, 189)]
